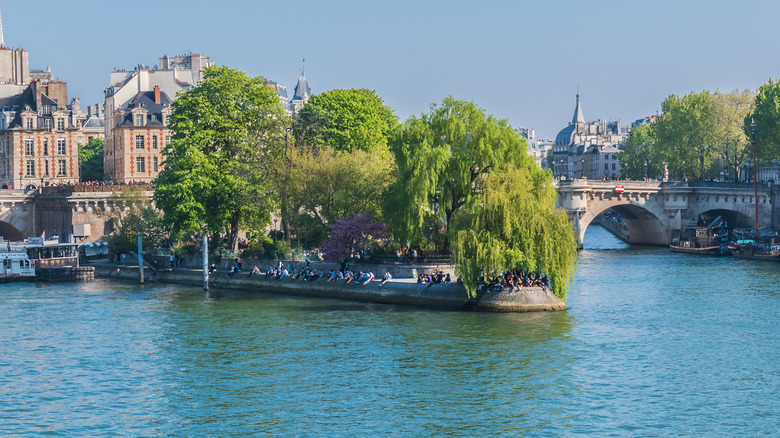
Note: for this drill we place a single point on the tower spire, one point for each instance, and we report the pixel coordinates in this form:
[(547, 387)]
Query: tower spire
[(2, 40), (578, 117)]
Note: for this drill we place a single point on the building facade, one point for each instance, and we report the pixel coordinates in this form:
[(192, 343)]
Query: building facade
[(588, 150), (40, 131), (137, 107), (537, 148)]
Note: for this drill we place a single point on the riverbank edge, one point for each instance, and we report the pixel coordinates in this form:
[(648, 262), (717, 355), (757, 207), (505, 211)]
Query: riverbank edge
[(437, 296)]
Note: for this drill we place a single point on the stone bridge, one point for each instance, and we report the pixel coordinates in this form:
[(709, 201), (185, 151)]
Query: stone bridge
[(60, 210), (656, 211)]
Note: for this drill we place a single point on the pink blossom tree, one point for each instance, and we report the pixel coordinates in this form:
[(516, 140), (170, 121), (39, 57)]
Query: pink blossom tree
[(352, 235)]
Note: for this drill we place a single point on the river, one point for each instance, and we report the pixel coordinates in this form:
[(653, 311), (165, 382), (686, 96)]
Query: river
[(655, 344)]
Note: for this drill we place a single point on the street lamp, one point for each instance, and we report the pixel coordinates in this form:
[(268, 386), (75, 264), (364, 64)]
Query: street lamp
[(685, 177), (755, 180), (275, 221)]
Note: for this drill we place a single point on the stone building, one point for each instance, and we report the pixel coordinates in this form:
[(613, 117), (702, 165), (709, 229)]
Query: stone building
[(137, 107), (40, 131), (588, 150), (301, 95), (537, 148)]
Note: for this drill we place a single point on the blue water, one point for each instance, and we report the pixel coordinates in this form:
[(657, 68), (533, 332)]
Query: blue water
[(655, 344)]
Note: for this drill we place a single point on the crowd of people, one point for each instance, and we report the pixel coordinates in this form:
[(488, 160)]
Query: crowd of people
[(306, 273), (513, 279)]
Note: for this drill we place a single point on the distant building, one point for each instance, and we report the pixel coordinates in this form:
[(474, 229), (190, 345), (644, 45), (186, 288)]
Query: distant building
[(301, 95), (40, 131), (537, 148), (137, 107), (588, 150)]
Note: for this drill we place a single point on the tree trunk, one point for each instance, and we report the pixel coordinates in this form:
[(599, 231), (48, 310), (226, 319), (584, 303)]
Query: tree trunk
[(233, 236)]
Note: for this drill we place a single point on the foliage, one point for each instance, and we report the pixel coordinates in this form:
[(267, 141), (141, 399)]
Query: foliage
[(443, 158), (729, 111), (228, 132), (638, 156), (353, 235), (188, 248), (766, 117), (515, 225), (323, 185), (91, 157), (346, 120), (684, 134), (133, 213)]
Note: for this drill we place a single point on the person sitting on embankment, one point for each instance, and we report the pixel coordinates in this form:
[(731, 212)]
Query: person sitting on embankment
[(387, 277)]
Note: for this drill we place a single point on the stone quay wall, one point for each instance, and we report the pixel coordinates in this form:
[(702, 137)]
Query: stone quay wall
[(438, 296)]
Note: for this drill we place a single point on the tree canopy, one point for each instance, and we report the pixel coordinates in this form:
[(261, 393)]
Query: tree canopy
[(766, 117), (684, 134), (469, 175), (346, 120), (228, 132), (91, 156), (638, 157), (442, 159)]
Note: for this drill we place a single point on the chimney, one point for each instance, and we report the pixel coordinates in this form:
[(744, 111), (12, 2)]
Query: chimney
[(97, 109), (89, 110), (156, 94)]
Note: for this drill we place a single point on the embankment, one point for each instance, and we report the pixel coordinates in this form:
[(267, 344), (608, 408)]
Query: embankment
[(407, 292)]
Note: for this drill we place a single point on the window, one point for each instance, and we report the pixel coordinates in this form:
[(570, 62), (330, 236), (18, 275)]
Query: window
[(139, 120), (606, 166), (29, 147), (47, 123), (60, 124), (29, 123), (613, 166), (61, 168), (46, 163), (155, 164), (140, 165), (60, 146), (5, 170), (154, 141), (45, 146), (30, 168), (153, 117), (167, 140), (46, 109), (139, 141), (3, 148)]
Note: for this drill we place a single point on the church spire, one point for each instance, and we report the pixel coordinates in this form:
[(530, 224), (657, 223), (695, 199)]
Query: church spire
[(2, 40), (578, 117)]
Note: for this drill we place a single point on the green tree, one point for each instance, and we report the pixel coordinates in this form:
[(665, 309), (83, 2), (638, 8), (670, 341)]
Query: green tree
[(729, 112), (324, 185), (443, 158), (514, 224), (766, 117), (133, 213), (684, 134), (346, 120), (228, 134), (91, 157), (638, 156)]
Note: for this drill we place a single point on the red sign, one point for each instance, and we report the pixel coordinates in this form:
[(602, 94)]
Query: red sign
[(619, 189)]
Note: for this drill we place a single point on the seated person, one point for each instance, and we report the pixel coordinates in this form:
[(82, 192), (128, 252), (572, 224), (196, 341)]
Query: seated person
[(387, 277)]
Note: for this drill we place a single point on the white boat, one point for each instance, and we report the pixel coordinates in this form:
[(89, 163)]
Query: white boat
[(16, 265)]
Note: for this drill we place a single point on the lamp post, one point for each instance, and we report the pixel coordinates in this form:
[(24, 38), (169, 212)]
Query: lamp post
[(274, 230), (685, 177), (725, 169), (582, 169), (755, 180)]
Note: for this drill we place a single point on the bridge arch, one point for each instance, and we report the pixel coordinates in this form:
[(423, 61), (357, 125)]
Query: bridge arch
[(10, 233), (733, 218), (644, 224)]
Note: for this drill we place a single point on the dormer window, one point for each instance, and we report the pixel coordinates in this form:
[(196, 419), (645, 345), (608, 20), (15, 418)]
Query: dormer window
[(46, 109), (60, 124), (29, 123), (153, 117), (139, 120)]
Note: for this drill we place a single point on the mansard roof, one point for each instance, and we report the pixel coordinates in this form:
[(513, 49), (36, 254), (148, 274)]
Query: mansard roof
[(145, 100), (302, 90)]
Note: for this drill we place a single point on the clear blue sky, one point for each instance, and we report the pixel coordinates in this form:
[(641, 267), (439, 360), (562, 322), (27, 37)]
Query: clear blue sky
[(518, 60)]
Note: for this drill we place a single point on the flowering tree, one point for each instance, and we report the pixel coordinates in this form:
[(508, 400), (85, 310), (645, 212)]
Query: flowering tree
[(352, 235)]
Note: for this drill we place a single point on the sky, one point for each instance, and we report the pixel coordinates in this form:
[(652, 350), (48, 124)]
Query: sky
[(518, 60)]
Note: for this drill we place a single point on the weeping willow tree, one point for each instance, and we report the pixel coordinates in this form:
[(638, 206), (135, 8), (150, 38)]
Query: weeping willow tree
[(514, 224), (467, 176)]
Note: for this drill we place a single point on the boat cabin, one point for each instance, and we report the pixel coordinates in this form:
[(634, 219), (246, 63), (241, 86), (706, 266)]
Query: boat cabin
[(15, 264)]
